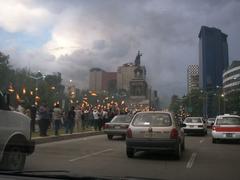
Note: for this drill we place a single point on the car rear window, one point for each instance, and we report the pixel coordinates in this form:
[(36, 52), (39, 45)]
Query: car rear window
[(152, 119), (121, 119), (228, 121), (193, 120)]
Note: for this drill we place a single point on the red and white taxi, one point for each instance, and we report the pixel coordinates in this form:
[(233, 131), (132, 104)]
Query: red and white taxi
[(226, 127)]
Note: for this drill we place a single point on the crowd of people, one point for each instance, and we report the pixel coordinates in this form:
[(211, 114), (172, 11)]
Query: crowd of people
[(77, 118)]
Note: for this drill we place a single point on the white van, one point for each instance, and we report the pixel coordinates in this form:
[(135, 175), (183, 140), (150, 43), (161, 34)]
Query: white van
[(15, 137)]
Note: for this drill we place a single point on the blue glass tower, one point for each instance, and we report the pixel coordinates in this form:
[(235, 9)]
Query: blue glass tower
[(213, 57)]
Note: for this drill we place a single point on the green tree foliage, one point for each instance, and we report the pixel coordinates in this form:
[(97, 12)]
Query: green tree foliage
[(175, 104), (24, 83), (193, 103), (232, 103)]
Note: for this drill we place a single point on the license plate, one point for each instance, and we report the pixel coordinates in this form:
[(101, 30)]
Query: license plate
[(191, 126), (117, 127), (229, 135)]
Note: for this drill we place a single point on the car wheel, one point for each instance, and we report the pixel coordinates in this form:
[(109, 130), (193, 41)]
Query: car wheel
[(178, 151), (130, 152), (13, 159), (110, 136), (214, 141)]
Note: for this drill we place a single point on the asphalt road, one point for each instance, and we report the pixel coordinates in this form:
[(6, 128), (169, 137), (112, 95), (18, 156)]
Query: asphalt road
[(97, 156)]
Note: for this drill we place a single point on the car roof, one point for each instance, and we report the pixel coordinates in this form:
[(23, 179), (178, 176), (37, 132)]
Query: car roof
[(194, 117), (227, 115), (157, 112)]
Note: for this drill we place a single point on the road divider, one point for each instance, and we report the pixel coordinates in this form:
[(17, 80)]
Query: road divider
[(191, 161), (90, 155)]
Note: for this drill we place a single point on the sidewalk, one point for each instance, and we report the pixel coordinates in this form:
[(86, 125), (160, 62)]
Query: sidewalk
[(62, 136)]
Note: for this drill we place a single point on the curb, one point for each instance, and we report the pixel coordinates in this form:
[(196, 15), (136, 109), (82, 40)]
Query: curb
[(42, 140)]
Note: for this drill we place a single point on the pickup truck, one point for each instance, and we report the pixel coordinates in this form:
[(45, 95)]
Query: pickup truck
[(15, 137)]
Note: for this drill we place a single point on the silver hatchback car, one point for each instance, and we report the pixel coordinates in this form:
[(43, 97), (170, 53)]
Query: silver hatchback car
[(155, 130)]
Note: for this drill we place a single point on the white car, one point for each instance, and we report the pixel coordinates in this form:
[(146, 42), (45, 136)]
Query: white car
[(226, 127), (15, 137), (195, 125), (155, 130)]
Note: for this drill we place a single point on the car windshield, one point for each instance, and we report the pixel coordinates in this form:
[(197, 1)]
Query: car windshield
[(121, 119), (152, 120), (211, 119), (193, 120), (228, 121)]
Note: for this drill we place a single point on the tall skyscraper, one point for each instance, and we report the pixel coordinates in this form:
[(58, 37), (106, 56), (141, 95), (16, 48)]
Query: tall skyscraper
[(192, 78), (213, 57)]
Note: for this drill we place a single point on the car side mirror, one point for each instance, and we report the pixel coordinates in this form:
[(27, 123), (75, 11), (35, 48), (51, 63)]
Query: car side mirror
[(212, 124)]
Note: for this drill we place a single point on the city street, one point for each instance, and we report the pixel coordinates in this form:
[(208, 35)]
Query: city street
[(97, 156)]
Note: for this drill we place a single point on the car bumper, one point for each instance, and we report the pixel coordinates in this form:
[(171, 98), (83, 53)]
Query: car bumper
[(116, 132), (152, 144), (226, 135), (194, 130)]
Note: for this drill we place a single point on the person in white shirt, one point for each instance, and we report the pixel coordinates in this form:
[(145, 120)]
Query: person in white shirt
[(57, 116)]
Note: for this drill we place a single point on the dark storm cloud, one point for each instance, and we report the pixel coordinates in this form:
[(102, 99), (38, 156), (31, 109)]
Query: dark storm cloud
[(165, 31)]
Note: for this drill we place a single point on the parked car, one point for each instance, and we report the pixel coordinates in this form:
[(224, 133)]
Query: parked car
[(117, 126), (15, 137), (154, 130), (195, 125), (226, 127), (210, 122)]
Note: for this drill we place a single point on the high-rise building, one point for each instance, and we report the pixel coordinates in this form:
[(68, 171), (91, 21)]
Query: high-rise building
[(213, 57), (231, 78), (95, 79), (100, 80), (125, 74), (192, 78)]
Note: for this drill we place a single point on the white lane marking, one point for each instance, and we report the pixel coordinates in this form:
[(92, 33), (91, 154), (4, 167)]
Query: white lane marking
[(90, 155), (191, 160), (202, 140)]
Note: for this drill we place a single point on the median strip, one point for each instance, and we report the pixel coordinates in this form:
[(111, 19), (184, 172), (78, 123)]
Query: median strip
[(90, 155), (191, 161)]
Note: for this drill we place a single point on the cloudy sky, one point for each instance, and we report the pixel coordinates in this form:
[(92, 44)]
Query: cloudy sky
[(72, 36)]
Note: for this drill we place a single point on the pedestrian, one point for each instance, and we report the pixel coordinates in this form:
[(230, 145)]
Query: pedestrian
[(57, 116), (70, 120), (84, 119), (91, 118), (78, 115), (20, 108), (104, 116), (43, 120), (33, 112), (96, 119)]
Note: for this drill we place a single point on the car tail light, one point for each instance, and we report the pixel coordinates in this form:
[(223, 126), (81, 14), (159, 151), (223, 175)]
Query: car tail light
[(129, 133), (214, 128), (174, 134), (106, 126)]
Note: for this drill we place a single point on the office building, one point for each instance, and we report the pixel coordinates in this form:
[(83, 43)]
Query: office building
[(231, 78), (213, 57), (192, 78)]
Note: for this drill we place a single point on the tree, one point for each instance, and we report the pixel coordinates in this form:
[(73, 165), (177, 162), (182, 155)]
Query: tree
[(193, 102)]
